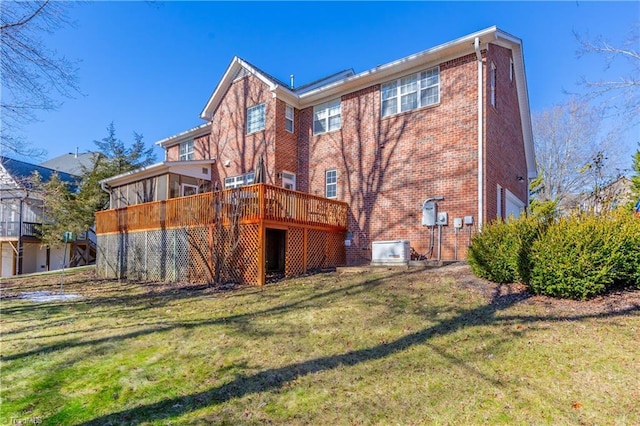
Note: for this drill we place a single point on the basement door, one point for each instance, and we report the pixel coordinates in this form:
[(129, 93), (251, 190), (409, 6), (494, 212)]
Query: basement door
[(275, 249)]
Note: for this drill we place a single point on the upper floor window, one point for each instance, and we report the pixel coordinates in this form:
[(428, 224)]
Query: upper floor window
[(186, 151), (331, 183), (327, 117), (510, 69), (492, 84), (288, 118), (238, 181), (255, 118), (411, 92)]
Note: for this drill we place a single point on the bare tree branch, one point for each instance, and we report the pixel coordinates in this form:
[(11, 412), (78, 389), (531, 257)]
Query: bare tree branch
[(622, 94), (34, 78)]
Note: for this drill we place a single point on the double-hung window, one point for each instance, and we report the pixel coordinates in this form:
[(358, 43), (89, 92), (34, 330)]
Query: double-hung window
[(327, 117), (255, 118), (238, 181), (288, 118), (186, 151), (331, 183), (411, 92)]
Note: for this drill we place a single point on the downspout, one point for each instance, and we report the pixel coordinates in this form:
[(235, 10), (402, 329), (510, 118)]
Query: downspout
[(106, 189), (476, 46), (20, 251)]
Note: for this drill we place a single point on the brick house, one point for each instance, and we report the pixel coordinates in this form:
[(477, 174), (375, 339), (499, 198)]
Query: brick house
[(452, 121)]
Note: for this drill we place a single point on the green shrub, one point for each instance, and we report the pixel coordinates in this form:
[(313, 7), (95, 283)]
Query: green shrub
[(500, 252), (582, 256)]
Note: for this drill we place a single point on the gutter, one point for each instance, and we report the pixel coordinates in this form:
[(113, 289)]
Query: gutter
[(476, 46)]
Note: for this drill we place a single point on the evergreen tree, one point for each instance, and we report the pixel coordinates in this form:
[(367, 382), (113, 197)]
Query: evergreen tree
[(69, 208), (635, 177)]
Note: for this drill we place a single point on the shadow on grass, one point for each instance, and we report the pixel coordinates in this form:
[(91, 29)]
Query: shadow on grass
[(164, 326), (273, 379)]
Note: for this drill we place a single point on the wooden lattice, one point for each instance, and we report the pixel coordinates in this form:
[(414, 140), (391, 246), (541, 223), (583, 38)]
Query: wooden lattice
[(193, 253), (294, 256), (199, 267), (316, 256), (335, 250)]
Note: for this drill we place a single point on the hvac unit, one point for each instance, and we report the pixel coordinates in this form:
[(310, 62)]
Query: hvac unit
[(390, 253)]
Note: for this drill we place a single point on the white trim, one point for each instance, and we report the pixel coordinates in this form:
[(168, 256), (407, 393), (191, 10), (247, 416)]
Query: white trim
[(427, 58), (181, 167), (288, 180), (511, 199), (326, 183), (493, 82), (190, 151), (192, 133), (188, 185), (480, 136), (419, 89), (291, 119), (261, 109), (326, 108)]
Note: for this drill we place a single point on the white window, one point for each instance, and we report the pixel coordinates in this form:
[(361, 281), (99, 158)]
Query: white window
[(411, 92), (188, 189), (510, 69), (327, 117), (255, 118), (186, 151), (331, 183), (288, 180), (513, 206), (492, 84), (238, 181), (288, 118)]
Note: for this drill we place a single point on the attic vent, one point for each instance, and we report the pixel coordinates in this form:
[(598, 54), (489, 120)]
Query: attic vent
[(241, 73)]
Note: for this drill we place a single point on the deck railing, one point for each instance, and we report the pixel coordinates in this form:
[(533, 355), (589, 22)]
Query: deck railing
[(10, 229), (253, 203)]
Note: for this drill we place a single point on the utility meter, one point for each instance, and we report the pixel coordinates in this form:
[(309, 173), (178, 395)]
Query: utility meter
[(429, 213)]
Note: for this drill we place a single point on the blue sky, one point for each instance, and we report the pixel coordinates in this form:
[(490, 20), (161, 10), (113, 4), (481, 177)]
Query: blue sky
[(150, 67)]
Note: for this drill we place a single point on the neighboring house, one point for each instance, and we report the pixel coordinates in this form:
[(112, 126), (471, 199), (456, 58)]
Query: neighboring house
[(450, 123), (20, 214), (72, 163), (609, 197)]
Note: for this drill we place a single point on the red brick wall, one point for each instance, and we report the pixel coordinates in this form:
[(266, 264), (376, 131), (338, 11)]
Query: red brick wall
[(388, 166), (504, 146), (286, 155), (229, 140)]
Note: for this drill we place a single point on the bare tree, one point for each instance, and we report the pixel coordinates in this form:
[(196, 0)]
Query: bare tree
[(33, 76), (567, 139), (622, 93)]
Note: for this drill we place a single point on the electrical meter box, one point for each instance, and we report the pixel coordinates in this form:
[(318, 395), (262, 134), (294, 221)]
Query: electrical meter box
[(457, 222), (442, 219), (429, 213)]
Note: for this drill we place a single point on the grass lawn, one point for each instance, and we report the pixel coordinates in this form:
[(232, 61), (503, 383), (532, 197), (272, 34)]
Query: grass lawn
[(390, 347)]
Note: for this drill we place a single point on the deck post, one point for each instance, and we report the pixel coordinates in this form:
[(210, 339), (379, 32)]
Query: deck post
[(261, 238)]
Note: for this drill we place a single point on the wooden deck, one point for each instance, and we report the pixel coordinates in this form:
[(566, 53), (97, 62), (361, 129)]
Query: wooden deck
[(258, 203), (227, 231)]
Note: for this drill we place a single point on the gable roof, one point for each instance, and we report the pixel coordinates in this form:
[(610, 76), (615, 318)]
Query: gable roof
[(347, 82), (21, 171), (71, 163)]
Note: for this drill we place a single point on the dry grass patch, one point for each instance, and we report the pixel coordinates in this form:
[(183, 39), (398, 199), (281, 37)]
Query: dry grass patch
[(408, 347)]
